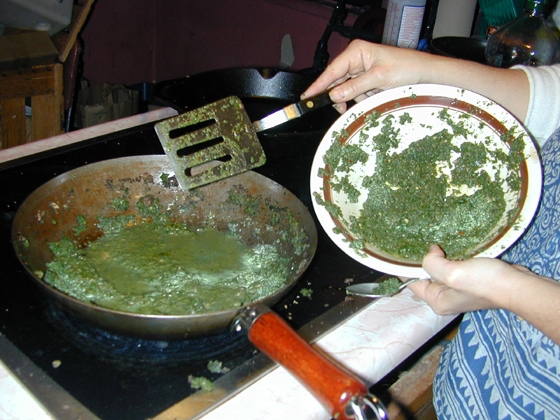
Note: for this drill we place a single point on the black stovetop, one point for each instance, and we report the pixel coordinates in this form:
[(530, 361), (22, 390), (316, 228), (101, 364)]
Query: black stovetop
[(125, 378)]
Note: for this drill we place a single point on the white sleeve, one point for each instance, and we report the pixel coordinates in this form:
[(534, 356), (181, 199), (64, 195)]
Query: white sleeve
[(543, 114)]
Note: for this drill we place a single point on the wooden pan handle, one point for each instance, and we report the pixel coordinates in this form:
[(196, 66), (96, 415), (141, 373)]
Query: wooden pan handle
[(331, 385)]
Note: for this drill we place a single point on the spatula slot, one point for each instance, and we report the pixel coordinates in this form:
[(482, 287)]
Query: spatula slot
[(195, 170), (195, 148), (189, 129)]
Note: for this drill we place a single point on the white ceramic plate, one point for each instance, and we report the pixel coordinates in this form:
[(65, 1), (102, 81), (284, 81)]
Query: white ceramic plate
[(418, 113)]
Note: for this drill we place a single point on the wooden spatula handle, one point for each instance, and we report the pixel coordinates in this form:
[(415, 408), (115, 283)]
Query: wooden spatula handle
[(330, 384)]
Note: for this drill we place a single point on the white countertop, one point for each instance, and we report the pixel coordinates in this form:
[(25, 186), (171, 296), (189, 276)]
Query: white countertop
[(370, 344), (16, 403)]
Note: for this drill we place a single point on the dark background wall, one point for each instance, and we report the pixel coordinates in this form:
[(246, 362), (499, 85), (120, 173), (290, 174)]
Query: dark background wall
[(136, 41)]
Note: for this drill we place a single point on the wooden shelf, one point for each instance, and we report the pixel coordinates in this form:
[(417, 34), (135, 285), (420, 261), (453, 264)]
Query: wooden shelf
[(43, 85)]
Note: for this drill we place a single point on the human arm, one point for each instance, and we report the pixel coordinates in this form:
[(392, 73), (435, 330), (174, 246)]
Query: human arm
[(543, 115), (365, 67), (487, 283)]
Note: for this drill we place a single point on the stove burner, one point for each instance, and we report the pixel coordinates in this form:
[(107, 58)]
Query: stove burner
[(126, 351)]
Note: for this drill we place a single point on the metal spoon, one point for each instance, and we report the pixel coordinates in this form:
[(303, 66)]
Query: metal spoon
[(368, 289)]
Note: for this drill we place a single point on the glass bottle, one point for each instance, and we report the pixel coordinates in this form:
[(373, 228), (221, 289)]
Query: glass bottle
[(526, 40)]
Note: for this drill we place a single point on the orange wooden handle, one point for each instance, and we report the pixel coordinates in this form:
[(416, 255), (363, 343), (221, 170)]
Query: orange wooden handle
[(330, 384)]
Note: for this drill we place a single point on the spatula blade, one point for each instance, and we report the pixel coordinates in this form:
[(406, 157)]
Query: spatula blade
[(220, 132)]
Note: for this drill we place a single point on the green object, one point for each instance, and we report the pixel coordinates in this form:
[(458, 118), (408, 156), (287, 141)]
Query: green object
[(389, 286), (202, 383), (499, 12), (526, 40), (155, 268), (408, 206)]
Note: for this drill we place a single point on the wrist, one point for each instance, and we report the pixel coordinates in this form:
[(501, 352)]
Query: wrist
[(523, 287)]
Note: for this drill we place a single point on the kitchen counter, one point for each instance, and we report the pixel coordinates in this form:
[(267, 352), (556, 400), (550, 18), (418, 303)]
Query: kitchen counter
[(371, 343)]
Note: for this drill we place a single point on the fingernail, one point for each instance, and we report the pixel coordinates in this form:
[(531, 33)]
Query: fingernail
[(337, 95)]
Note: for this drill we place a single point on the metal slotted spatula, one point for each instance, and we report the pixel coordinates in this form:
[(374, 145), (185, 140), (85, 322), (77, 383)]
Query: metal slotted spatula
[(220, 132)]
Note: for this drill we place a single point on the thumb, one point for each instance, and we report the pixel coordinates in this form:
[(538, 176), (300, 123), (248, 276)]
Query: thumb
[(433, 260), (435, 251)]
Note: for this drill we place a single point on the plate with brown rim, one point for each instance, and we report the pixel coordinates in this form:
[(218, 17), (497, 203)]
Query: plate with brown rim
[(424, 164)]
